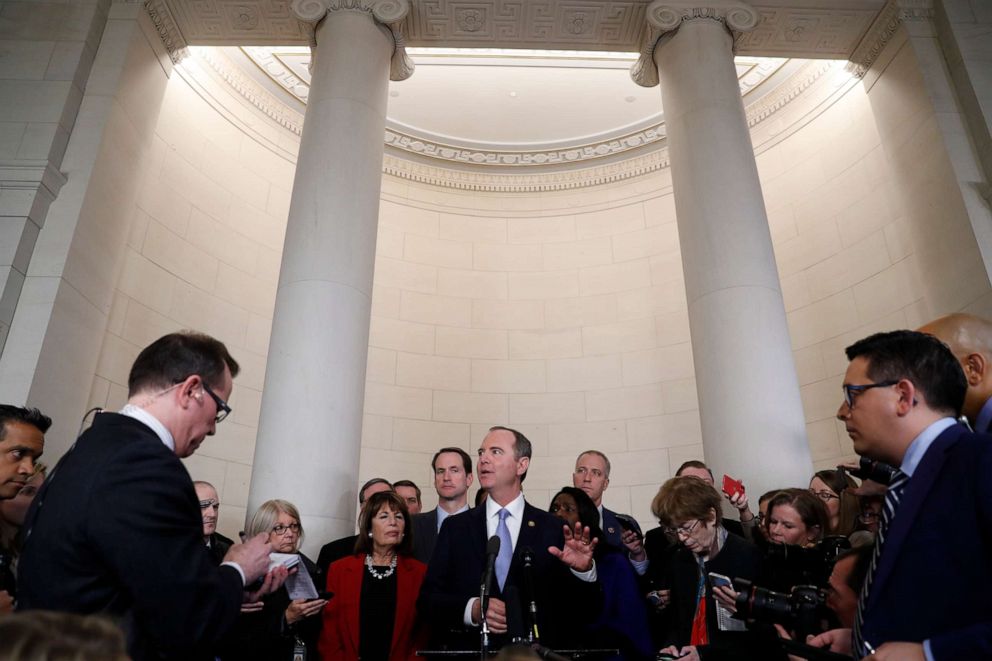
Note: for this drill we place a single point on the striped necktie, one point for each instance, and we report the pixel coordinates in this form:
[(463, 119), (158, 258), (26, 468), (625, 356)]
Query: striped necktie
[(892, 496)]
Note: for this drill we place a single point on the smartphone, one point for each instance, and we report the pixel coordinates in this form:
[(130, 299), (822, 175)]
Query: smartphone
[(325, 594), (732, 487), (719, 580)]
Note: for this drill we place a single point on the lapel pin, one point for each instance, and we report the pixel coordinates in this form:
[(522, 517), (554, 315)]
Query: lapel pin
[(530, 524), (610, 530)]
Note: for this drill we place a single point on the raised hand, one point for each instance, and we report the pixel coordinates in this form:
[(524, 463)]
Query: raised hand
[(578, 548)]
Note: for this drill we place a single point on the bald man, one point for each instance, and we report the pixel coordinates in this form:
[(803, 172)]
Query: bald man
[(970, 338)]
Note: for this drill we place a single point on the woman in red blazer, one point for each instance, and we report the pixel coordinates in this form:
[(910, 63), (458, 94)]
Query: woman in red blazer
[(372, 613)]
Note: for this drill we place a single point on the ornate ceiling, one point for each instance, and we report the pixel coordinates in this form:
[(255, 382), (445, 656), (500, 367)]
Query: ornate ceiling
[(476, 115)]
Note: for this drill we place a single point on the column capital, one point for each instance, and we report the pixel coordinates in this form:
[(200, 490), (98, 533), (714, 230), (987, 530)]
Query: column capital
[(387, 13), (667, 16)]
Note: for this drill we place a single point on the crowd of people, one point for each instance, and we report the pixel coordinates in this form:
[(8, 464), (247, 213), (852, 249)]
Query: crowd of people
[(888, 558)]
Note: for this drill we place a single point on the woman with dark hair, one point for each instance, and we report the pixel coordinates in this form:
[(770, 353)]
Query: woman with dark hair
[(372, 613), (274, 628), (701, 628), (797, 518), (843, 507), (623, 620)]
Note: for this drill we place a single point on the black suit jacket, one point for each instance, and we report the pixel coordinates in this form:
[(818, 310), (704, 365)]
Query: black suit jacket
[(934, 576), (219, 545), (334, 551), (424, 535), (116, 529), (565, 603)]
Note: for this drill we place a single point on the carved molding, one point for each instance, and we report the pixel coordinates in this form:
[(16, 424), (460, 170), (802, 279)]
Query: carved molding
[(880, 33), (168, 30), (388, 13), (785, 30), (497, 182)]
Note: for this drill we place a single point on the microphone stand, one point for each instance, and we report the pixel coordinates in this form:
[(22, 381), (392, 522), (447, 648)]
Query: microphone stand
[(533, 635), (483, 604)]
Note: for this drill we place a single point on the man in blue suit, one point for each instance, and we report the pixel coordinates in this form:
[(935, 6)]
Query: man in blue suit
[(926, 595)]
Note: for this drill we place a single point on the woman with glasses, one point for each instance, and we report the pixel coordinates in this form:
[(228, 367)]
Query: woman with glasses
[(372, 613), (843, 508), (275, 628), (623, 618), (700, 628)]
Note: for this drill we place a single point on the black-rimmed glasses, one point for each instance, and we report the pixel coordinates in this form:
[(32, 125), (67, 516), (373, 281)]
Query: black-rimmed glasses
[(223, 410), (280, 529), (851, 391)]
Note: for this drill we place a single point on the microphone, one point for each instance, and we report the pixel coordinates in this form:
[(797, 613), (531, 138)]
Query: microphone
[(514, 615), (492, 550), (528, 557)]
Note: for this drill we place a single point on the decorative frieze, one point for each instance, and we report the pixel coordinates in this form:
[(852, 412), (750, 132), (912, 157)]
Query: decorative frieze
[(894, 14), (167, 28)]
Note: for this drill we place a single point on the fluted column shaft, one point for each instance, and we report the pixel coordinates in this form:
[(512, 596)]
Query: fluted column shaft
[(749, 404), (309, 435)]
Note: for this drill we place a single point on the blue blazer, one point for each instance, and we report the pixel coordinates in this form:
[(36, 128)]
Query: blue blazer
[(934, 576), (611, 529)]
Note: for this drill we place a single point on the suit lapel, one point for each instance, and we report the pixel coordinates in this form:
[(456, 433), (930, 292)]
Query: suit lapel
[(912, 500)]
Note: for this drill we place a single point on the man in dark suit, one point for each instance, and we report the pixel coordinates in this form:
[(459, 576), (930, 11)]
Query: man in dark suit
[(116, 528), (216, 543), (926, 591), (345, 546), (452, 468), (563, 576), (970, 338)]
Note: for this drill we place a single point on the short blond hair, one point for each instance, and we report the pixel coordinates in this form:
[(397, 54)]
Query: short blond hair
[(264, 518)]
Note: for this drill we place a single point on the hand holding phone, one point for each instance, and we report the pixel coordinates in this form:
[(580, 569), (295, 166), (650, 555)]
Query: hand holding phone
[(732, 487)]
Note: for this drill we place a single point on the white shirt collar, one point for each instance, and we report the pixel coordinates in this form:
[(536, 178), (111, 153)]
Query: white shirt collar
[(143, 416)]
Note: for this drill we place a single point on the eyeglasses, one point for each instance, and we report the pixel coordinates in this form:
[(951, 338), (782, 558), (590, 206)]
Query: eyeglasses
[(210, 502), (683, 530), (760, 517), (825, 496), (852, 391), (223, 410), (280, 529), (869, 517)]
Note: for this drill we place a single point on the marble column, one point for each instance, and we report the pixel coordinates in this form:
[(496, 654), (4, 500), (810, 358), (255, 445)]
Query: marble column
[(749, 405), (309, 435)]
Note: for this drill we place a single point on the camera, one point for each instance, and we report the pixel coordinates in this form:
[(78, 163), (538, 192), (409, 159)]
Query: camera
[(788, 565), (876, 471), (802, 610)]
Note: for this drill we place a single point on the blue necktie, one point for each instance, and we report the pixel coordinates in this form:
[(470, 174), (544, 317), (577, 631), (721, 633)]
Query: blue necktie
[(505, 549), (892, 496)]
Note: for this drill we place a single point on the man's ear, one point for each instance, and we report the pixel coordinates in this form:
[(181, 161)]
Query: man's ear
[(908, 396), (468, 480), (522, 465), (190, 389), (975, 368)]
